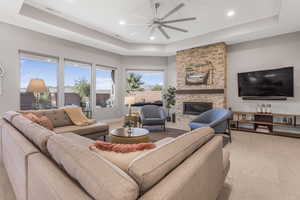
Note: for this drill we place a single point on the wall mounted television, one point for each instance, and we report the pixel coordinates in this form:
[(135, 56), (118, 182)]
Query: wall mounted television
[(275, 84)]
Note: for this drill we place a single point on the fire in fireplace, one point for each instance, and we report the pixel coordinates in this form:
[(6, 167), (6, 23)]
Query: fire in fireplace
[(196, 108)]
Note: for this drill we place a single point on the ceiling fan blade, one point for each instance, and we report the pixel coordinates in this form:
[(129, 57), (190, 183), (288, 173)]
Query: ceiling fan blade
[(175, 28), (179, 20), (163, 32), (173, 11)]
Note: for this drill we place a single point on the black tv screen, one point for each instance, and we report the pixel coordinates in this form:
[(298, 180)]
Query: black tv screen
[(272, 83)]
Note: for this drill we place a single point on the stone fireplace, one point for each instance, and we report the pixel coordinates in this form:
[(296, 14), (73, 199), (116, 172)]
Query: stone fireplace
[(201, 80)]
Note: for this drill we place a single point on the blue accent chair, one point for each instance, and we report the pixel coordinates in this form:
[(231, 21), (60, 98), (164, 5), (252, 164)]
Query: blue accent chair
[(218, 119), (152, 115)]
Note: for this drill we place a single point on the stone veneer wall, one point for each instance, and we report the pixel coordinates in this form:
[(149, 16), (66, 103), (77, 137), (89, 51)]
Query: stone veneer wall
[(216, 54)]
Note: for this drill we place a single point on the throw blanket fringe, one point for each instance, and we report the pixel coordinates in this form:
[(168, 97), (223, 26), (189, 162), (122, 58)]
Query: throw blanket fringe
[(77, 117)]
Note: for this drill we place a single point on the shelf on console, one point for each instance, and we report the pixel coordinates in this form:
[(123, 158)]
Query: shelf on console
[(260, 121)]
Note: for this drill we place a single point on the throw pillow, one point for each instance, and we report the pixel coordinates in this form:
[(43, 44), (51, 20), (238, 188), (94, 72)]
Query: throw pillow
[(46, 122), (43, 121), (122, 148), (32, 117)]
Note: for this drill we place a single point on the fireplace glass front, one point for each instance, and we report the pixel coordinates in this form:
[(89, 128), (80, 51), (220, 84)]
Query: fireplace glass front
[(196, 108)]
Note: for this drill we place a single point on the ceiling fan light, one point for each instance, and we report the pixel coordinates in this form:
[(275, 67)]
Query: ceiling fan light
[(230, 13), (122, 22)]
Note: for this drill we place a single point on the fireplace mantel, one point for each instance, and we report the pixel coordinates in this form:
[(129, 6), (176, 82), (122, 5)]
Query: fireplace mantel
[(201, 91)]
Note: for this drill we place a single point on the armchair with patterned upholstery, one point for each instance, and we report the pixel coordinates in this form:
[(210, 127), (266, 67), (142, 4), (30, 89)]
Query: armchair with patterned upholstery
[(152, 115)]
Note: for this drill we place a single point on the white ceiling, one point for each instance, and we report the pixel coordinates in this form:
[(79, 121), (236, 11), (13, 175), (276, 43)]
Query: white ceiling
[(104, 15), (96, 22)]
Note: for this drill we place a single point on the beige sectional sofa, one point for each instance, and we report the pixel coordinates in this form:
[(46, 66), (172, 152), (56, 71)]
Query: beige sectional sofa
[(44, 165), (63, 124)]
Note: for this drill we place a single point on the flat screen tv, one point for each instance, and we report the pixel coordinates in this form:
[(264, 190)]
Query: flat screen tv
[(267, 83)]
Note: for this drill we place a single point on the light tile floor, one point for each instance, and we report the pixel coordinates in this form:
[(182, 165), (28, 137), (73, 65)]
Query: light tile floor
[(262, 168)]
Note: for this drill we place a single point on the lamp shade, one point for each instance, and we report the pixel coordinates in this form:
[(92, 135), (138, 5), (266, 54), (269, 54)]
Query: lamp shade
[(129, 100), (37, 85)]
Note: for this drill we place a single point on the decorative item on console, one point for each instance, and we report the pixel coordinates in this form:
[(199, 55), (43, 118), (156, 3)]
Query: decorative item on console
[(264, 108)]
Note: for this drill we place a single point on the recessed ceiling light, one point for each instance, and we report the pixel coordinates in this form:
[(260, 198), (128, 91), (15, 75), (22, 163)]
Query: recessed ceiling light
[(122, 22), (230, 13), (152, 38)]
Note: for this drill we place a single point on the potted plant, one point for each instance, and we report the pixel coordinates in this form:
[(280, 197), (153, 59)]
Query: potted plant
[(170, 100)]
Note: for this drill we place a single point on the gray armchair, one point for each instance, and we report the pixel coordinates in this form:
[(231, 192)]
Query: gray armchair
[(218, 119), (152, 115)]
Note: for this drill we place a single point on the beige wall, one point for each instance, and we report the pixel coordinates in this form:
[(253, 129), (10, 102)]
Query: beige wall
[(275, 52), (13, 39), (279, 51)]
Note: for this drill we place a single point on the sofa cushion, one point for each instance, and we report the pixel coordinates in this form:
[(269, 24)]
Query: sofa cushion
[(83, 130), (119, 159), (149, 168), (99, 177), (10, 115), (16, 149), (58, 117), (37, 134), (122, 160), (226, 162)]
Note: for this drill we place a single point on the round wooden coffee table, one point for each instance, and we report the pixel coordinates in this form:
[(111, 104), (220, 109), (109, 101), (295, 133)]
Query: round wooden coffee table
[(124, 136)]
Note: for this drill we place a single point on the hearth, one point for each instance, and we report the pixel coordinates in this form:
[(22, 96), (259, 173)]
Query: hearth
[(196, 108)]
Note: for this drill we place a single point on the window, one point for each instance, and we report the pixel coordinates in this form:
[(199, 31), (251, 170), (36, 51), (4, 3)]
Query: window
[(77, 84), (105, 87), (42, 69), (146, 86)]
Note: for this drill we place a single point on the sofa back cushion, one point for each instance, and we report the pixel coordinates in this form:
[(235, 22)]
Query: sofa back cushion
[(149, 168), (8, 116), (99, 177), (37, 134), (58, 117), (16, 149)]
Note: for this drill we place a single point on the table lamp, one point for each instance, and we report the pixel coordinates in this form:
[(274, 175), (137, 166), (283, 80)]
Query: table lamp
[(37, 86), (129, 101)]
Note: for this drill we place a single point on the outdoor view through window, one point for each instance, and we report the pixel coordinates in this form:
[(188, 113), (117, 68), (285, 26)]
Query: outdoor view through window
[(35, 67), (146, 86), (77, 84), (105, 91)]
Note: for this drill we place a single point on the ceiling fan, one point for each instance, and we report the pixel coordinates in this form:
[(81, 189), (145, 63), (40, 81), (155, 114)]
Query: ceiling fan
[(161, 23)]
